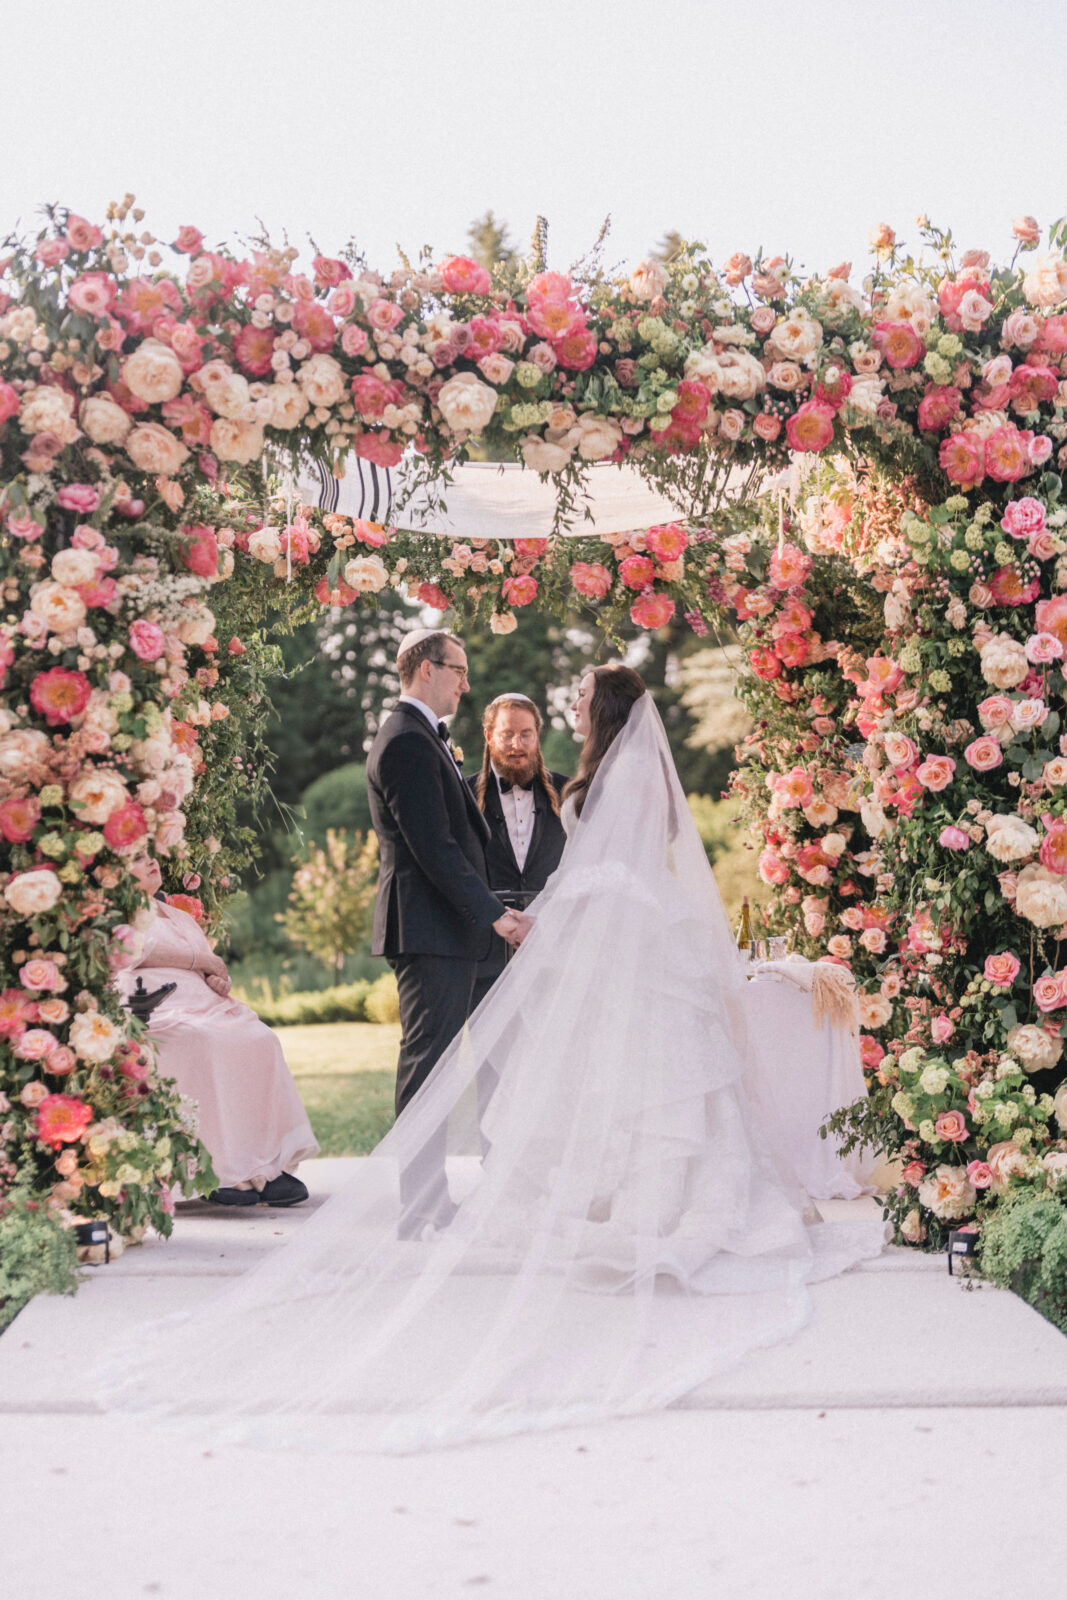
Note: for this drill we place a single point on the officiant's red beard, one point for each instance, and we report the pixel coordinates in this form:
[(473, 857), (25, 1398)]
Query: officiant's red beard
[(516, 768)]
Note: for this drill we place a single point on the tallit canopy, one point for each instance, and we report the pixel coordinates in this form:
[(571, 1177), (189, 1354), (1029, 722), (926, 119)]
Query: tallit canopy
[(487, 500)]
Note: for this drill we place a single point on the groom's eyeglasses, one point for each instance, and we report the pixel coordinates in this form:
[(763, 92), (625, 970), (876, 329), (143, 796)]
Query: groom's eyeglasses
[(460, 672)]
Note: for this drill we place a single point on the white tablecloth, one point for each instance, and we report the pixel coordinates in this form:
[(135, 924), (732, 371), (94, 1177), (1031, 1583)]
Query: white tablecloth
[(798, 1074)]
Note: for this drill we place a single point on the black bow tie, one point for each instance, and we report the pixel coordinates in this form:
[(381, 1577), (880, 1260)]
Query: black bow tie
[(506, 785), (442, 731)]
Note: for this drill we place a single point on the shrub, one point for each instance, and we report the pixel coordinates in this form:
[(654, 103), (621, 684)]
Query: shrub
[(383, 1000), (345, 1002), (38, 1255), (1024, 1248)]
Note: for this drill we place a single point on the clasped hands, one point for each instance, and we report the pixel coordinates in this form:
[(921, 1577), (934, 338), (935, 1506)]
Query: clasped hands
[(513, 927)]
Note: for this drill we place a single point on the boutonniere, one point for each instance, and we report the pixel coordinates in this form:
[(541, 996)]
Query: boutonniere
[(456, 752)]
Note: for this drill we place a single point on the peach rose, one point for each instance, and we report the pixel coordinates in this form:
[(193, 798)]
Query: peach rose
[(948, 1193), (648, 279), (321, 379), (936, 773), (1004, 1160), (1046, 282), (62, 610), (237, 441), (30, 894), (103, 420), (466, 403), (153, 372)]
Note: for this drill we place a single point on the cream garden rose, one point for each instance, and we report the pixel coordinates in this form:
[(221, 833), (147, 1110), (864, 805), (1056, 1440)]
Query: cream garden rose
[(237, 441), (153, 448), (543, 456), (72, 567), (1033, 1048), (153, 372), (1046, 282), (1003, 662), (1009, 838), (196, 625), (289, 404), (948, 1193), (648, 279), (596, 437), (1040, 895), (466, 403), (96, 794), (265, 544), (103, 420), (33, 893), (366, 574), (321, 379), (48, 409), (94, 1037), (62, 610)]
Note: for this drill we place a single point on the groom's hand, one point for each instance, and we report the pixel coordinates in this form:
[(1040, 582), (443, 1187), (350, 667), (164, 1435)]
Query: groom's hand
[(513, 927)]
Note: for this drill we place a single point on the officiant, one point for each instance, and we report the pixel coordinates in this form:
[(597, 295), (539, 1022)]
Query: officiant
[(520, 800)]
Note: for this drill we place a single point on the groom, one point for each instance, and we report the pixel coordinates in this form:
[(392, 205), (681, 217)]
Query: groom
[(434, 914)]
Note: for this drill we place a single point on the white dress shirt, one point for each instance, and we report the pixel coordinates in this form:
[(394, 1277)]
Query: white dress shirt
[(518, 809), (412, 700)]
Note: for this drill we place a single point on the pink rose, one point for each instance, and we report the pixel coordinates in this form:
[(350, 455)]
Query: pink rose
[(941, 1029), (995, 711), (652, 611), (1043, 648), (900, 751), (914, 1173), (383, 315), (873, 940), (951, 1126), (772, 869), (81, 497), (353, 339), (496, 368), (983, 755), (979, 1174), (936, 773), (1048, 992), (189, 240), (1002, 969), (147, 640), (954, 839), (1027, 231)]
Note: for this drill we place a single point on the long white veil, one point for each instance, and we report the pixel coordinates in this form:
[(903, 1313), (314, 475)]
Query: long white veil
[(621, 1234)]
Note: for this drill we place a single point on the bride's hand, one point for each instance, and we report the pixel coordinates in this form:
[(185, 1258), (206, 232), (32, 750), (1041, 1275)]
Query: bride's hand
[(219, 982)]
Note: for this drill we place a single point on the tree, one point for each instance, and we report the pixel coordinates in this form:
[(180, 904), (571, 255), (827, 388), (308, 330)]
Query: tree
[(669, 246), (489, 243), (332, 896)]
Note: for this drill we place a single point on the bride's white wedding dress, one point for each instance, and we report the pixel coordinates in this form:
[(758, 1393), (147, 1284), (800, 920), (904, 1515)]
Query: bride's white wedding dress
[(620, 1231)]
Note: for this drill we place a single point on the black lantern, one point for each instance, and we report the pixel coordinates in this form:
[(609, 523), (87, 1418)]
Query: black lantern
[(98, 1232), (962, 1242)]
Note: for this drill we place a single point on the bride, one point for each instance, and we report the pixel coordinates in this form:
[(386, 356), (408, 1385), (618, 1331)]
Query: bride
[(614, 1231)]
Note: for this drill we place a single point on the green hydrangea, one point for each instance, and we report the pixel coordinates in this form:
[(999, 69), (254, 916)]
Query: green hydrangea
[(1003, 554), (933, 1079), (910, 659), (950, 345), (955, 502), (911, 1060), (957, 647), (527, 376), (927, 1132), (667, 400), (937, 367), (959, 560), (51, 795), (940, 682), (974, 538)]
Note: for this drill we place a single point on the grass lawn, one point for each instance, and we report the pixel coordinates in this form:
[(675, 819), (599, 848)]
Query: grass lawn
[(346, 1072)]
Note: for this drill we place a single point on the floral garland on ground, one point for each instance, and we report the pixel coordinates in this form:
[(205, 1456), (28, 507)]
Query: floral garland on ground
[(137, 405)]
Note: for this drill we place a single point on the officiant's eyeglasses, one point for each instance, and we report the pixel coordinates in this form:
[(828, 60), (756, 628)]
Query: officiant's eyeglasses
[(460, 672)]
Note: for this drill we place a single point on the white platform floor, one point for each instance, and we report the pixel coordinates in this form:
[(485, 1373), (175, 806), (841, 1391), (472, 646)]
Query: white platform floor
[(912, 1433)]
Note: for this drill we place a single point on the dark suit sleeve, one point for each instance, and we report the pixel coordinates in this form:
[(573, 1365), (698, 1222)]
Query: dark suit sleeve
[(413, 789)]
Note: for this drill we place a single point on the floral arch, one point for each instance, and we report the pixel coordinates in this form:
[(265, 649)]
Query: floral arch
[(867, 491)]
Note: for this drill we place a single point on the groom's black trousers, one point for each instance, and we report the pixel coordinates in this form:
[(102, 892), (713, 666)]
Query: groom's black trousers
[(435, 1000)]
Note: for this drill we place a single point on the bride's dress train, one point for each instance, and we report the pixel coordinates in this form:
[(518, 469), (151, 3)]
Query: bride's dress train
[(622, 1233)]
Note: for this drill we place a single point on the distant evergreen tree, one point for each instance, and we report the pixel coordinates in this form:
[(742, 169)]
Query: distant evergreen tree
[(669, 246), (489, 242)]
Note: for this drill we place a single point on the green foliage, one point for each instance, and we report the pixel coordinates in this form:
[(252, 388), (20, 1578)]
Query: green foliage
[(489, 242), (332, 896), (345, 1002), (1024, 1248), (383, 1001), (38, 1254), (337, 800), (730, 853)]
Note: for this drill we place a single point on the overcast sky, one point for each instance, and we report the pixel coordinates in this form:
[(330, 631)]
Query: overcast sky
[(794, 126)]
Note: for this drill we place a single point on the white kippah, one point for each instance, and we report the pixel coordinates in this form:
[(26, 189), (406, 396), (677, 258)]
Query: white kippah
[(416, 636), (512, 695)]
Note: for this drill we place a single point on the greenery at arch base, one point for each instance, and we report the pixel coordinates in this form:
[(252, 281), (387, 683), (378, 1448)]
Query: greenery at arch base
[(872, 479)]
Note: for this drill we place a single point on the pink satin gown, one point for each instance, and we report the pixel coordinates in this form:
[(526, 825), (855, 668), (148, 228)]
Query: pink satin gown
[(219, 1053)]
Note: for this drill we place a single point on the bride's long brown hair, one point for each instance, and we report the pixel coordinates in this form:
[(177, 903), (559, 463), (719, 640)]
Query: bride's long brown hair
[(616, 690)]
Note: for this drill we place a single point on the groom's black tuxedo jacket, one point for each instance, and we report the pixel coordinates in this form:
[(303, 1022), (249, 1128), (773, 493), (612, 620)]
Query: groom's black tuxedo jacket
[(542, 858), (433, 897)]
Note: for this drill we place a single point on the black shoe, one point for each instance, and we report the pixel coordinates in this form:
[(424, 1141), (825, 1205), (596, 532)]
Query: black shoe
[(284, 1190), (232, 1197)]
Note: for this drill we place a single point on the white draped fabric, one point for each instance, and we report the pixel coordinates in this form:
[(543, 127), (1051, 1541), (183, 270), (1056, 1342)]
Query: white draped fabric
[(487, 500), (624, 1236)]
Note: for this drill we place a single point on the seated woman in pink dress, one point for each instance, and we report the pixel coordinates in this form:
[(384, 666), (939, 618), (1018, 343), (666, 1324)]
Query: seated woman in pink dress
[(252, 1119)]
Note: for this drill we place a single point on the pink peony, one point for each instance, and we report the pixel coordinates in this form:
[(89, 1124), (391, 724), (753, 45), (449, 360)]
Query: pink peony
[(1053, 851), (200, 551), (899, 343), (80, 497), (954, 839), (938, 408), (521, 591), (765, 664), (461, 275), (1042, 649), (772, 869), (125, 826), (789, 567), (18, 818), (1023, 518), (62, 1119), (637, 572), (962, 459), (811, 427), (652, 611), (59, 695), (590, 579), (1051, 617), (1006, 456), (1002, 969)]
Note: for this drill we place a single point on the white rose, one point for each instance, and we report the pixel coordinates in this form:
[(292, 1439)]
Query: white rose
[(503, 622), (544, 456), (1033, 1048), (595, 437), (95, 795), (908, 302), (237, 441), (466, 403), (153, 448), (265, 544), (796, 337), (948, 1192), (62, 610), (1003, 662), (289, 405), (196, 626), (741, 376), (1040, 895), (1046, 282), (47, 409), (366, 574), (99, 714), (153, 372), (31, 893), (94, 1037), (1009, 838), (704, 365), (866, 394), (648, 279), (72, 567), (104, 420), (873, 818), (322, 380), (1059, 1106)]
